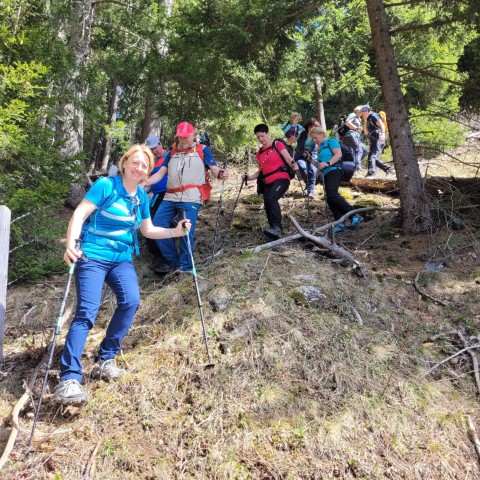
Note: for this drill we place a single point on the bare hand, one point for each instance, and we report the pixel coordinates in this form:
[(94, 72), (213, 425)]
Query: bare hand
[(224, 174), (182, 225), (72, 255), (295, 166)]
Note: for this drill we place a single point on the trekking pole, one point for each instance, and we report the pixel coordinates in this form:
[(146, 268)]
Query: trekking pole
[(230, 220), (210, 364), (215, 234), (56, 333)]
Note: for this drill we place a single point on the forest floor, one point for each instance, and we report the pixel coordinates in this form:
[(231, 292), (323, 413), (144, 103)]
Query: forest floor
[(299, 390)]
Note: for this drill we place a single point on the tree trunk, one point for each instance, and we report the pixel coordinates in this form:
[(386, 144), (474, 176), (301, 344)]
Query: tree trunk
[(147, 116), (338, 73), (319, 101), (414, 205), (70, 123), (112, 116)]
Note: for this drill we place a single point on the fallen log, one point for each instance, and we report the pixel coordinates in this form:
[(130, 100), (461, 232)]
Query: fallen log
[(374, 184), (333, 247), (321, 229)]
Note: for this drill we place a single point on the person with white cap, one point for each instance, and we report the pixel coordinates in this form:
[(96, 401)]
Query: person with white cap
[(187, 188), (374, 129)]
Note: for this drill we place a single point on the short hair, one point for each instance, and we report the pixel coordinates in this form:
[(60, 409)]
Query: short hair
[(318, 130), (261, 127), (309, 123), (131, 151), (357, 108), (296, 116)]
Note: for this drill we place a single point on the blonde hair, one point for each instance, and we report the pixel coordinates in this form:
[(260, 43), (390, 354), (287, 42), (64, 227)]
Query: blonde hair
[(133, 149), (318, 130), (357, 108), (296, 116)]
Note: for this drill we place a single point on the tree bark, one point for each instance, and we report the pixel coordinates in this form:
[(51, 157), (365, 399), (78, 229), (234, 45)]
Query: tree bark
[(112, 116), (70, 123), (147, 116), (338, 73), (414, 205), (319, 101)]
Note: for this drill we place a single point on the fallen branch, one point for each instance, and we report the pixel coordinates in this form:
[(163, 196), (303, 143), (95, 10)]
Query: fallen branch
[(474, 360), (426, 295), (15, 428), (452, 356), (321, 229), (89, 470), (357, 316), (472, 432), (325, 242)]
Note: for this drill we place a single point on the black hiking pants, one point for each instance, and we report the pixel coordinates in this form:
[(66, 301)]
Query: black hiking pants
[(271, 195), (338, 205)]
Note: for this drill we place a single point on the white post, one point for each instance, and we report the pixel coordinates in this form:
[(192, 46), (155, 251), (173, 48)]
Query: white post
[(5, 216)]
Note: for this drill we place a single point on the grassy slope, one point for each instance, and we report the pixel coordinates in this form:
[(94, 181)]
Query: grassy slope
[(309, 394)]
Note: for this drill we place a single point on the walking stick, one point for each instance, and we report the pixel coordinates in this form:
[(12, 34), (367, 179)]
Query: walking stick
[(210, 364), (230, 220), (215, 234), (56, 333)]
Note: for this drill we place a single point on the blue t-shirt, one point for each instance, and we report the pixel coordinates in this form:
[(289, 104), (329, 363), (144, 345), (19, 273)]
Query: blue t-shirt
[(208, 157), (109, 233), (160, 186), (372, 120), (325, 153)]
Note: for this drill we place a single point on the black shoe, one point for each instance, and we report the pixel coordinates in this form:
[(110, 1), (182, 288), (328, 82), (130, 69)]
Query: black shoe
[(389, 171), (275, 232), (370, 175)]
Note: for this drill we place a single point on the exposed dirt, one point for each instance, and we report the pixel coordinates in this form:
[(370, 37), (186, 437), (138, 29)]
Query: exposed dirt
[(309, 394)]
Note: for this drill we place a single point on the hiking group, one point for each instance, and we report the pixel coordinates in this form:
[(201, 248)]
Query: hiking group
[(101, 235)]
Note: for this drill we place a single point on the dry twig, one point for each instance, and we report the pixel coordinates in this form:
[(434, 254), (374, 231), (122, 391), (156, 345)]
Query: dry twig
[(89, 470), (474, 360), (456, 354), (426, 295), (473, 436)]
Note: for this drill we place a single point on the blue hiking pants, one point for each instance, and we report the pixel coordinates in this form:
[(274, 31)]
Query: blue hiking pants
[(376, 148), (168, 210), (309, 174), (352, 139), (89, 279)]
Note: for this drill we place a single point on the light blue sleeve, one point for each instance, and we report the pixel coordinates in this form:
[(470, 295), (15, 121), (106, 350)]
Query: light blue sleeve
[(286, 127), (144, 204), (100, 191)]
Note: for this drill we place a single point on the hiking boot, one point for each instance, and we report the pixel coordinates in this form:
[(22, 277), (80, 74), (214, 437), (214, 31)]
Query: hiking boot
[(161, 268), (356, 219), (275, 232), (107, 370), (69, 392), (370, 175), (340, 228), (389, 171)]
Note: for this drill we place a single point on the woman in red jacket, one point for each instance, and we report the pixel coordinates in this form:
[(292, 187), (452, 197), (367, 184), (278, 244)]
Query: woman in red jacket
[(274, 176)]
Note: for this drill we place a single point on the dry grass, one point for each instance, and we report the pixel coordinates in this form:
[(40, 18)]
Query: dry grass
[(309, 395)]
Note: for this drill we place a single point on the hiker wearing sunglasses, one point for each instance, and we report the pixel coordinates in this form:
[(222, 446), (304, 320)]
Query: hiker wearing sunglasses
[(188, 186), (106, 221)]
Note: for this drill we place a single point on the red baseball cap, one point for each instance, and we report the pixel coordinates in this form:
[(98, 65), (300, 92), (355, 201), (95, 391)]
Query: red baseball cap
[(184, 129)]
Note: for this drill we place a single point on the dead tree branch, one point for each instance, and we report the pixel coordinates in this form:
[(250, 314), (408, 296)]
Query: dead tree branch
[(474, 361), (426, 295)]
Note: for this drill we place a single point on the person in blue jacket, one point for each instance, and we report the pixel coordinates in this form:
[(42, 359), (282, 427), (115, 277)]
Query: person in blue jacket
[(329, 154), (157, 190), (106, 221)]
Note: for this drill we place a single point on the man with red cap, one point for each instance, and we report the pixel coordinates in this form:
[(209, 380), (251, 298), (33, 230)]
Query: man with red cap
[(187, 188)]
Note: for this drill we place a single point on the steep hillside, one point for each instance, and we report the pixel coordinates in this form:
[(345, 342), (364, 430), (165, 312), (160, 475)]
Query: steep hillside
[(300, 390)]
